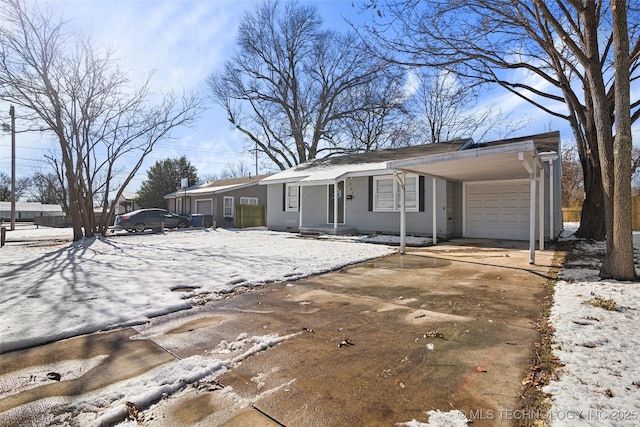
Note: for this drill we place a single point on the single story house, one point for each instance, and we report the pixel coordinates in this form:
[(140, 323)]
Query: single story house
[(219, 200), (126, 203), (507, 189), (29, 210)]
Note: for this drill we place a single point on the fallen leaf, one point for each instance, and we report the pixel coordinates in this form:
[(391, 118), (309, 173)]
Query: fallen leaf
[(132, 411), (54, 376)]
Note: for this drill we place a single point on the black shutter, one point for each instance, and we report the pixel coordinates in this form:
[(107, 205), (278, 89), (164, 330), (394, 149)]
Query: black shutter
[(299, 200), (421, 193), (370, 194), (284, 197)]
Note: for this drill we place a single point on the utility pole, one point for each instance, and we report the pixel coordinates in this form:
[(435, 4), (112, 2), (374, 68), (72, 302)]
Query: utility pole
[(12, 113)]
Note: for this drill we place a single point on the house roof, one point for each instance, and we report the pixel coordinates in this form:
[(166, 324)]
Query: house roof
[(218, 186), (128, 196), (31, 207), (498, 160), (330, 169), (460, 160)]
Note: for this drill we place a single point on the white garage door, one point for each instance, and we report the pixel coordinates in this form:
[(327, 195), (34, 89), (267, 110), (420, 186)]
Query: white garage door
[(498, 210), (204, 207)]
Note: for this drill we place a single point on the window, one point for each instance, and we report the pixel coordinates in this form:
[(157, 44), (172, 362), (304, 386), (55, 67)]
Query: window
[(227, 209), (384, 194), (248, 200), (291, 197), (387, 193)]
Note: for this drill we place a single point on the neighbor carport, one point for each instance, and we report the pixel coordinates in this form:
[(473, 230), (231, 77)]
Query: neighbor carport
[(492, 178)]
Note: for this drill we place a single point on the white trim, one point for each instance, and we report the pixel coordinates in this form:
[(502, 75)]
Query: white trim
[(335, 207), (532, 219), (464, 209), (299, 206), (402, 181), (435, 216), (541, 222), (397, 190), (287, 206), (224, 206), (249, 200), (335, 204)]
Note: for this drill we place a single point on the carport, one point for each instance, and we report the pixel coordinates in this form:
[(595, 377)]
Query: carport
[(486, 165)]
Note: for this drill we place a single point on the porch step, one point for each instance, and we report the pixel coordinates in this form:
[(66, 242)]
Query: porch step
[(328, 230)]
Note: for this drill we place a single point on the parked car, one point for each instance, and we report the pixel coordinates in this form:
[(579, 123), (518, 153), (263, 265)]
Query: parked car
[(144, 219)]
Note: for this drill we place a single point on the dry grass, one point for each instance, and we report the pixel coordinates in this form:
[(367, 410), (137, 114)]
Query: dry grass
[(543, 363), (606, 303)]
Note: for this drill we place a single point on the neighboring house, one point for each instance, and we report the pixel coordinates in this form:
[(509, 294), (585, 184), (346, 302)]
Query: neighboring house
[(453, 189), (219, 199), (29, 210), (126, 203)]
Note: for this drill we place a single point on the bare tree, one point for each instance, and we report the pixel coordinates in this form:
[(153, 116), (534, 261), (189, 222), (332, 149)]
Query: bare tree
[(385, 124), (46, 188), (236, 170), (21, 187), (81, 95), (572, 187), (291, 82), (444, 108), (563, 51), (207, 178)]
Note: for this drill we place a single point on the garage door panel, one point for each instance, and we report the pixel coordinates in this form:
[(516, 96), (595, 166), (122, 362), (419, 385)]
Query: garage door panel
[(204, 207), (498, 211)]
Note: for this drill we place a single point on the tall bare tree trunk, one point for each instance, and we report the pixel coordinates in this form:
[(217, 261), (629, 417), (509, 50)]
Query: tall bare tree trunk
[(618, 263)]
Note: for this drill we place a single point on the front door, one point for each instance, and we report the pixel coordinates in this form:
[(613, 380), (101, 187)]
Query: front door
[(331, 203)]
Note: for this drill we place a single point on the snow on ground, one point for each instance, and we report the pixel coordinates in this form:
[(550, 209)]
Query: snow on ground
[(97, 284), (600, 382), (54, 290)]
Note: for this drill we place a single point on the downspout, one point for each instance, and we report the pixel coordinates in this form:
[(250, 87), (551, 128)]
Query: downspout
[(532, 207), (403, 213), (551, 157)]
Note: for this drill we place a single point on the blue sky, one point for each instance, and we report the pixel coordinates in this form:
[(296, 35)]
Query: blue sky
[(182, 42)]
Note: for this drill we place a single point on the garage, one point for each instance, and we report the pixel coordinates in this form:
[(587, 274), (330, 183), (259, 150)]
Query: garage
[(497, 210), (204, 206)]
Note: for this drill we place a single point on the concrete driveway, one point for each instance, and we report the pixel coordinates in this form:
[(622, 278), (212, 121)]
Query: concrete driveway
[(379, 343)]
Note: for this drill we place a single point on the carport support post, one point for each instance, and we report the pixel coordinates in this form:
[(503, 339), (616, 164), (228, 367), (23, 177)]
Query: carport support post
[(532, 219), (435, 220), (532, 206), (541, 210), (335, 206), (403, 213)]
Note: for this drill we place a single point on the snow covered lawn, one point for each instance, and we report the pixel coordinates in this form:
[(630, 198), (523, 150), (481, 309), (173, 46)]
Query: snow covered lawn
[(52, 291), (598, 342)]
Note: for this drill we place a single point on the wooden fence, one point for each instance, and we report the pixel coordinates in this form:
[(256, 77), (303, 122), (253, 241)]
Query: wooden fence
[(573, 214), (251, 216)]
